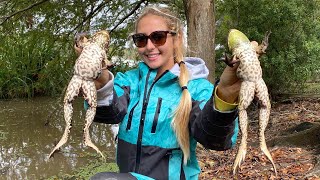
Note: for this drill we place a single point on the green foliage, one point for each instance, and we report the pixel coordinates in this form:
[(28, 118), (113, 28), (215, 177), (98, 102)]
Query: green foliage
[(3, 135), (37, 56), (31, 64), (37, 53), (293, 49)]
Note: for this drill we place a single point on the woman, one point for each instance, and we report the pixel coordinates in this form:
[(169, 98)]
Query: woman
[(166, 105)]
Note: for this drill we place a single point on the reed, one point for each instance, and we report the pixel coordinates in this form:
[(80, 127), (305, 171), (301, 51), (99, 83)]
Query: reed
[(34, 64)]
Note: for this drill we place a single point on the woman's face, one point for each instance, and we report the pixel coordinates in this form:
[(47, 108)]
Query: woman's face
[(156, 57)]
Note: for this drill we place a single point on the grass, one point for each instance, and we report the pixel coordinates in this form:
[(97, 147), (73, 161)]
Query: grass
[(3, 135), (313, 88), (91, 169)]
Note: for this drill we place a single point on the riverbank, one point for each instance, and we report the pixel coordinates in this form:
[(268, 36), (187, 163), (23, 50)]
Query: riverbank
[(292, 162)]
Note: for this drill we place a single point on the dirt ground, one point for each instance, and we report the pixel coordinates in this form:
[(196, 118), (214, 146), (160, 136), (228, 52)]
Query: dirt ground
[(292, 162)]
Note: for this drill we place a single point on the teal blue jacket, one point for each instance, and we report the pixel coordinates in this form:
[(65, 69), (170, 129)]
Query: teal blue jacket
[(144, 107)]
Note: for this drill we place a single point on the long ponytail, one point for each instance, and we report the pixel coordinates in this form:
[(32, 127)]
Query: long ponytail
[(180, 121)]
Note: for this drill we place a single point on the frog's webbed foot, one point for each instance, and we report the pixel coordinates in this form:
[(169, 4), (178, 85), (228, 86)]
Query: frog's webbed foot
[(261, 49), (264, 115), (265, 42), (243, 118), (265, 150), (229, 61), (240, 156), (68, 115), (263, 145), (86, 135)]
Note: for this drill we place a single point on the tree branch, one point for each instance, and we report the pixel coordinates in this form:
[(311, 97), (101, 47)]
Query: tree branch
[(91, 14), (129, 14), (6, 18)]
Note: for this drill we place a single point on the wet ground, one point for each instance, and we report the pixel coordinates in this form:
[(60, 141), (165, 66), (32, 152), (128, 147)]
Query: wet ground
[(30, 128)]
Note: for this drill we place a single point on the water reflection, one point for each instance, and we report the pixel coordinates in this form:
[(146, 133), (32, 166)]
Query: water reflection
[(27, 137)]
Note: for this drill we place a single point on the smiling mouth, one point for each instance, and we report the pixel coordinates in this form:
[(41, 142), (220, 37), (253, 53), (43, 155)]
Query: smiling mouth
[(152, 56)]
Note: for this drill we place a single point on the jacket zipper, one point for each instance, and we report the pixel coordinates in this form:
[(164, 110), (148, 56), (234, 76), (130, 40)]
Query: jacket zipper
[(156, 116), (130, 116), (146, 97)]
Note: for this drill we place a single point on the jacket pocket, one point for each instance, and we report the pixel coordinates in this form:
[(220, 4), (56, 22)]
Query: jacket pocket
[(130, 116), (156, 116)]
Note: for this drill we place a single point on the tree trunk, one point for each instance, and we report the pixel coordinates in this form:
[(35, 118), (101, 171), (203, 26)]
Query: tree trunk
[(201, 32)]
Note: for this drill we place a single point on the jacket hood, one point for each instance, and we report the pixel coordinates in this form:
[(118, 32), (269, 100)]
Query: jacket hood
[(196, 66)]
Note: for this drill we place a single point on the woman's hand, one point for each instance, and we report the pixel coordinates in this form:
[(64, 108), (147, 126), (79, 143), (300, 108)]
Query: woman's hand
[(229, 85), (103, 79)]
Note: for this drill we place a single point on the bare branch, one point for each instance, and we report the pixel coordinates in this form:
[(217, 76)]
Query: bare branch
[(90, 15), (130, 13), (6, 18)]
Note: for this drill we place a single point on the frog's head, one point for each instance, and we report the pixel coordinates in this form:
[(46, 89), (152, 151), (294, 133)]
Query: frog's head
[(102, 38), (80, 39), (237, 39)]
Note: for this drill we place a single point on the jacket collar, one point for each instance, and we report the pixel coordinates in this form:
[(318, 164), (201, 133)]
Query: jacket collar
[(196, 66)]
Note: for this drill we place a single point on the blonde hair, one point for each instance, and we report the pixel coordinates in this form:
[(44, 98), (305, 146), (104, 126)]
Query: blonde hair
[(180, 121)]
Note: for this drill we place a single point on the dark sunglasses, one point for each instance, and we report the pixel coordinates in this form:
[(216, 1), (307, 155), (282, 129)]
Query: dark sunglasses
[(158, 38)]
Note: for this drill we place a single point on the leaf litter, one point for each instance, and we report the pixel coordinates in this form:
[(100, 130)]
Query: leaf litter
[(292, 162)]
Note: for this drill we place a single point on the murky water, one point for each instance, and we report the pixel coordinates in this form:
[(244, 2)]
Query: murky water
[(28, 131)]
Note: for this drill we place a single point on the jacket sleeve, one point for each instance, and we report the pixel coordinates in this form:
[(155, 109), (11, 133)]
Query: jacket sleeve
[(106, 114), (114, 113), (113, 99), (212, 128)]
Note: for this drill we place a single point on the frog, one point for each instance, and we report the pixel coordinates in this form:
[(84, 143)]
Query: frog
[(88, 66), (249, 71)]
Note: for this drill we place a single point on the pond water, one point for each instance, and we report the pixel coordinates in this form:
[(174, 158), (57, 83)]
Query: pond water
[(29, 129)]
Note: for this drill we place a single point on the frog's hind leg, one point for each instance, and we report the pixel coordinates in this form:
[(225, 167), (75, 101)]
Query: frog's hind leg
[(90, 94), (264, 114), (246, 96), (71, 93)]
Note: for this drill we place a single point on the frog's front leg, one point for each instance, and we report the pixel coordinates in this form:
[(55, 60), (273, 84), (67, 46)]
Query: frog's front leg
[(263, 97), (230, 61), (246, 96), (71, 93), (90, 95), (261, 49)]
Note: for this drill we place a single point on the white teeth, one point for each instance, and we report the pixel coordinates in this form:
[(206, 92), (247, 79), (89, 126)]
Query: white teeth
[(152, 55)]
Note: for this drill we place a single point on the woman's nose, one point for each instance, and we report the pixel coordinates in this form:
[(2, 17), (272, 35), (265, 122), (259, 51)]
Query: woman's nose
[(150, 45)]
